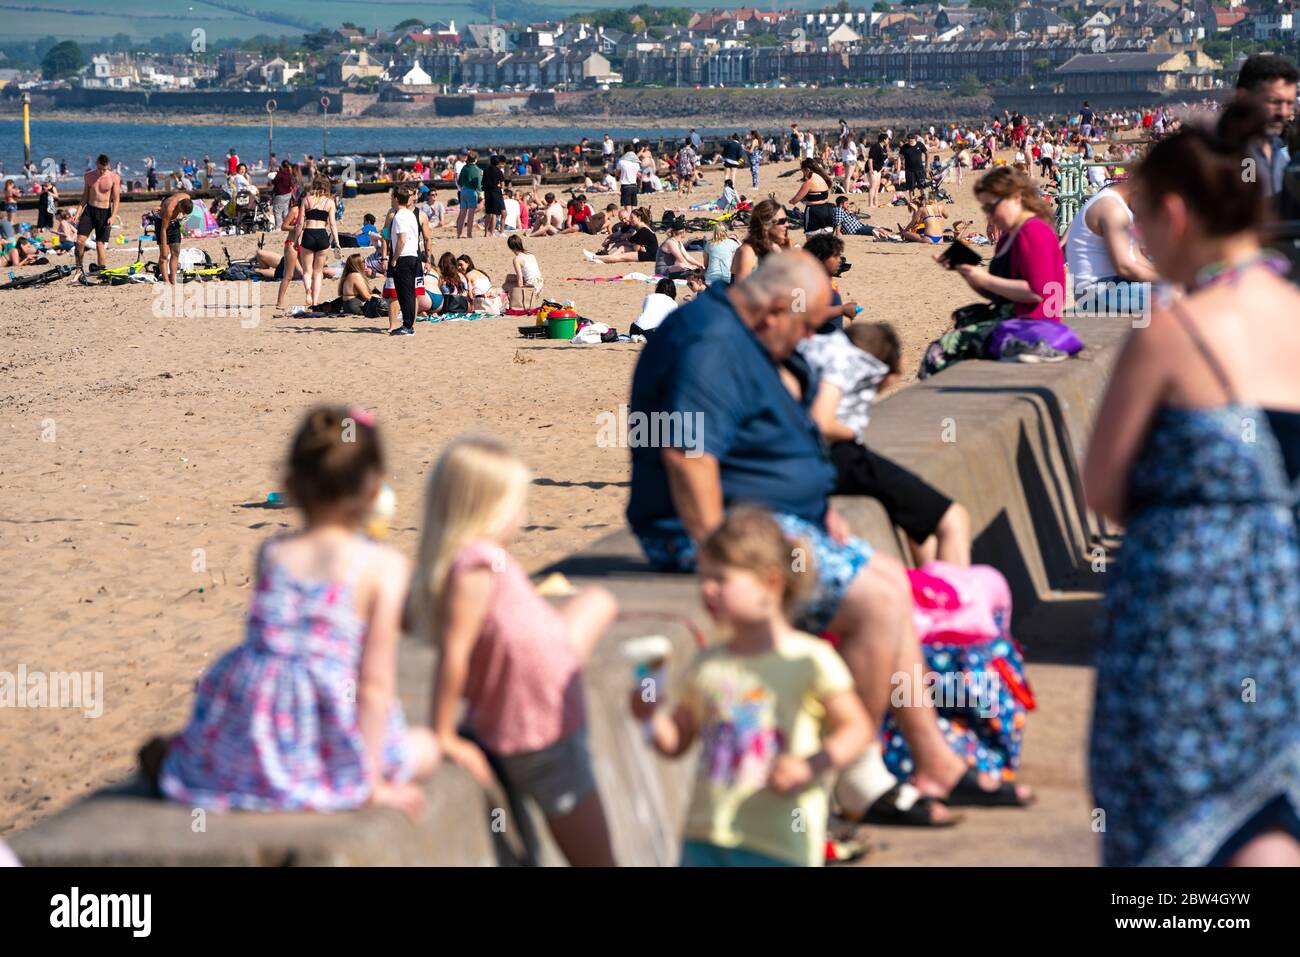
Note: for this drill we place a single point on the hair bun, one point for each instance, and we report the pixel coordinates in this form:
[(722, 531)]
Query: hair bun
[(332, 455)]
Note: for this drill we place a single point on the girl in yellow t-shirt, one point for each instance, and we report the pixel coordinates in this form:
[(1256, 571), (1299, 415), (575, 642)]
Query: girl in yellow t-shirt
[(774, 708)]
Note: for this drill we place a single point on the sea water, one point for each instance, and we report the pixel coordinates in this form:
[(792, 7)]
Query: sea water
[(77, 141)]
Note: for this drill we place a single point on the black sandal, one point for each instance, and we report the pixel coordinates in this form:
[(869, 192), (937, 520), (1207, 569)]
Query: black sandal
[(968, 793), (886, 810)]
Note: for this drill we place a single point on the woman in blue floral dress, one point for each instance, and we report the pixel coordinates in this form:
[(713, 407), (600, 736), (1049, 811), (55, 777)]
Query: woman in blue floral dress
[(1195, 752), (755, 155)]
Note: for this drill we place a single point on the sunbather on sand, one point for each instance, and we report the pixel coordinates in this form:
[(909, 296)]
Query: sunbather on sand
[(269, 264), (20, 252)]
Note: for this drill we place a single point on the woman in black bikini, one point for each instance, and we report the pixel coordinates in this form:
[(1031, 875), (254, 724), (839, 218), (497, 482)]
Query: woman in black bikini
[(815, 194), (317, 235)]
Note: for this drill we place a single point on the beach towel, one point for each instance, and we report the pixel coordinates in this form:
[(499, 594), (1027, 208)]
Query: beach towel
[(454, 317), (629, 277)]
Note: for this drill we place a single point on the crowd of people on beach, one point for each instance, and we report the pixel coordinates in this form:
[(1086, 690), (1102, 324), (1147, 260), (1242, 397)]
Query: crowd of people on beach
[(791, 708)]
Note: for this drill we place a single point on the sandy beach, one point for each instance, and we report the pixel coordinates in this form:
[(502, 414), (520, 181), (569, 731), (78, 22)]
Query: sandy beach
[(140, 451)]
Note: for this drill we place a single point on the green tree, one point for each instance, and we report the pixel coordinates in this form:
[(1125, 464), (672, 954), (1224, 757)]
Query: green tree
[(882, 6), (63, 60), (842, 6), (970, 85), (634, 19), (319, 40), (174, 42), (408, 23)]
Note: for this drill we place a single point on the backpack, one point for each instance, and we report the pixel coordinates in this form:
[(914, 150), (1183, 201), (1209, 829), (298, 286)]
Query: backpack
[(963, 618)]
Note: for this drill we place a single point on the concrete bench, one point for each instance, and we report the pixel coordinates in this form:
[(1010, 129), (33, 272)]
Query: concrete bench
[(463, 825), (1005, 439)]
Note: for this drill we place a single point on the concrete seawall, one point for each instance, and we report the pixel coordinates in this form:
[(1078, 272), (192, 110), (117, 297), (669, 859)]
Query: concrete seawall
[(1005, 439)]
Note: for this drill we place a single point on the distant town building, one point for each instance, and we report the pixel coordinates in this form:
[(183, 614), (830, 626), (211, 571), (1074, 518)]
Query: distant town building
[(1147, 73), (351, 67), (407, 73), (110, 71)]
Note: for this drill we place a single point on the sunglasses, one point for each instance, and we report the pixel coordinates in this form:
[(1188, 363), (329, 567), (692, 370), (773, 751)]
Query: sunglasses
[(780, 222), (987, 208)]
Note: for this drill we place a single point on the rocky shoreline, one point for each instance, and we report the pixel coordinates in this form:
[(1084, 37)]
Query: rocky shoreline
[(647, 109)]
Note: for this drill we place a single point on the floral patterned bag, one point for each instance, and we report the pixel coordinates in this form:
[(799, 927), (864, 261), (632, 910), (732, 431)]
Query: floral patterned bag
[(963, 618)]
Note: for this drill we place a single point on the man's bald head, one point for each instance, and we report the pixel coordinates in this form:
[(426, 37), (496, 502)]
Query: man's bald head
[(784, 300)]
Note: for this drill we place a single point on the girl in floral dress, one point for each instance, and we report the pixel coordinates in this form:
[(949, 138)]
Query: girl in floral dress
[(303, 715)]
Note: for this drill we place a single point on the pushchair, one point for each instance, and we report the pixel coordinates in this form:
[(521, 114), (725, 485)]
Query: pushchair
[(243, 212), (934, 180)]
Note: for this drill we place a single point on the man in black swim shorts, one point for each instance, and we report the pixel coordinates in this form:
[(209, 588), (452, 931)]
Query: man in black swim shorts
[(173, 208), (99, 201)]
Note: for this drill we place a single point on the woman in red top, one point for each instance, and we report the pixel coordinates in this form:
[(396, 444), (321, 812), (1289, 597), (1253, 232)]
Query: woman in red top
[(1027, 269), (578, 213)]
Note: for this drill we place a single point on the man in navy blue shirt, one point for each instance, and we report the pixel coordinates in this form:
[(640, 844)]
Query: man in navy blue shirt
[(719, 416)]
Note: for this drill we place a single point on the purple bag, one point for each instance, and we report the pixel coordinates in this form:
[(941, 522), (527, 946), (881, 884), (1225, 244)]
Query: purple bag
[(1056, 334)]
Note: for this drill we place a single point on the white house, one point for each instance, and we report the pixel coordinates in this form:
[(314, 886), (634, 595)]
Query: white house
[(841, 36), (408, 73), (279, 72), (110, 71), (161, 77)]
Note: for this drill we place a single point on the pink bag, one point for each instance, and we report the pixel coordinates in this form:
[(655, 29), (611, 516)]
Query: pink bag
[(963, 619), (952, 604)]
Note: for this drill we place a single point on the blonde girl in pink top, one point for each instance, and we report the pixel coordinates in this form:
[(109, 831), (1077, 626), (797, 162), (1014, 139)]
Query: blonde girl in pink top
[(515, 658)]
